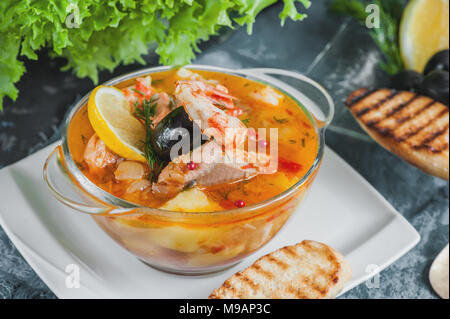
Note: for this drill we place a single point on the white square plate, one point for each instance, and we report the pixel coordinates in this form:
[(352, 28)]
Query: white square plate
[(342, 210)]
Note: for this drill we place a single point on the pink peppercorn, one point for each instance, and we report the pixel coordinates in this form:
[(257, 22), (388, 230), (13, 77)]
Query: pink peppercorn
[(239, 203), (191, 166)]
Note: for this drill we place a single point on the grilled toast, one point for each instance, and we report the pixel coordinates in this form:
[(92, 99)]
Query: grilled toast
[(308, 270), (414, 127)]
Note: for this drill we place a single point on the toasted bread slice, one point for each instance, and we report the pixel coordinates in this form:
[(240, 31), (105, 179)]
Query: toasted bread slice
[(414, 127), (308, 270)]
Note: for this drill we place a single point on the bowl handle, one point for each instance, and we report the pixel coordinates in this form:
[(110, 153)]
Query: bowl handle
[(323, 112), (67, 190)]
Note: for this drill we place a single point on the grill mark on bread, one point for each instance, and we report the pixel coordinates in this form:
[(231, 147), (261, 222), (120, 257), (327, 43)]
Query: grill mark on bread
[(321, 291), (427, 140), (440, 143), (359, 95), (413, 129), (297, 293), (308, 270), (247, 281), (290, 251), (405, 113), (320, 272), (259, 270), (412, 126), (374, 97), (406, 128), (417, 113), (305, 281), (308, 246), (388, 109), (402, 106), (277, 262), (376, 105)]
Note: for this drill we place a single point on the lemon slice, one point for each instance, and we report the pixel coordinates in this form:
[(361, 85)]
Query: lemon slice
[(424, 31), (110, 116)]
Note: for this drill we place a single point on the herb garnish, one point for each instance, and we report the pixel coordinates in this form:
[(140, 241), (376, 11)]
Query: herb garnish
[(386, 36), (282, 121), (245, 121), (138, 92), (145, 114), (157, 81)]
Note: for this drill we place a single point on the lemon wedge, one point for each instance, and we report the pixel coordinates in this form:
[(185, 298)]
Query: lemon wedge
[(111, 118), (424, 31)]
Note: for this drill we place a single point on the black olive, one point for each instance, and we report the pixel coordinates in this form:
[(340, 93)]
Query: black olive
[(170, 130), (435, 85), (439, 61), (407, 80)]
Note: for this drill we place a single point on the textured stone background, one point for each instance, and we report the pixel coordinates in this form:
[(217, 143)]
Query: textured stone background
[(332, 50)]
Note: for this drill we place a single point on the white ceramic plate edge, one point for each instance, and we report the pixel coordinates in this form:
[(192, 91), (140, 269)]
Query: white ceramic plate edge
[(50, 273)]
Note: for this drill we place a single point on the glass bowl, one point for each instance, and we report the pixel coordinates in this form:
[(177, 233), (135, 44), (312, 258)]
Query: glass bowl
[(191, 243)]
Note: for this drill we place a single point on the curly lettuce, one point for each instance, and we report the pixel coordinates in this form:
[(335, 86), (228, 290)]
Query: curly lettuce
[(95, 35)]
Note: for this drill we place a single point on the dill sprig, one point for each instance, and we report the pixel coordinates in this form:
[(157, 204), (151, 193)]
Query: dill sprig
[(245, 121), (386, 36), (138, 92), (145, 113)]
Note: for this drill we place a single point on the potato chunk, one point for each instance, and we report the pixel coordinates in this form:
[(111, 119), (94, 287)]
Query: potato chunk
[(192, 200)]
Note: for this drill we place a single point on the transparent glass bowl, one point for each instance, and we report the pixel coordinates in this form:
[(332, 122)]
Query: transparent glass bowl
[(191, 243)]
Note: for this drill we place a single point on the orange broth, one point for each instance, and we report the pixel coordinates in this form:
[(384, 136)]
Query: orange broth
[(297, 144)]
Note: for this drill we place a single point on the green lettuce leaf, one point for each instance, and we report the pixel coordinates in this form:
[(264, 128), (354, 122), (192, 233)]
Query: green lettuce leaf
[(95, 35)]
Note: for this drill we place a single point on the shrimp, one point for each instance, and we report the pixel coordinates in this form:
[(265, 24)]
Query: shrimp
[(217, 93), (143, 91), (267, 95), (162, 107), (97, 155), (201, 102), (222, 159)]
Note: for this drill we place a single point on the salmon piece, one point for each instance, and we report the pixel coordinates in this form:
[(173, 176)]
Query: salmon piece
[(224, 173), (211, 170)]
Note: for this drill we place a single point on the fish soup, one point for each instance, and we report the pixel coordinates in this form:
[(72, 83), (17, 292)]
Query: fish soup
[(179, 98)]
